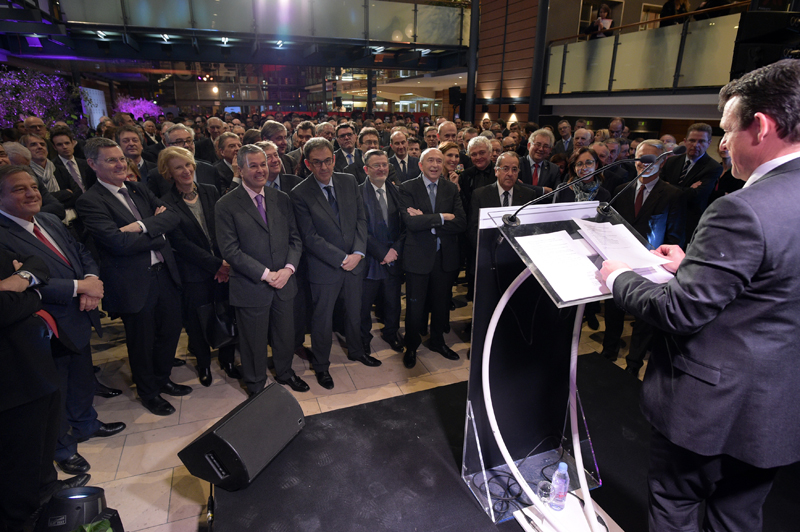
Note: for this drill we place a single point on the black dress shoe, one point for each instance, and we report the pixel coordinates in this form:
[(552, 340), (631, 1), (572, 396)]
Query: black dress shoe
[(74, 465), (296, 383), (101, 390), (176, 390), (231, 371), (105, 430), (366, 360), (78, 481), (610, 355), (178, 362), (633, 371), (367, 347), (204, 374), (325, 380), (410, 358), (591, 321), (96, 369), (445, 351), (158, 406), (394, 342)]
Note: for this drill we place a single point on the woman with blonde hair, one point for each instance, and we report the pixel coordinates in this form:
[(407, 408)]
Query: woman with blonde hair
[(204, 273)]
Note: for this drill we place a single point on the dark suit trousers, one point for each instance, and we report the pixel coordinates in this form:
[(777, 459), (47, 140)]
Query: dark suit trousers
[(390, 289), (256, 326), (195, 295), (152, 334), (437, 286), (679, 480), (77, 384), (27, 444), (323, 297), (302, 304), (615, 321)]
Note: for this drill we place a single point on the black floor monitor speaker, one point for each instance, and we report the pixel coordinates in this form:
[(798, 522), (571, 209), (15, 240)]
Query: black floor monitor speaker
[(235, 450)]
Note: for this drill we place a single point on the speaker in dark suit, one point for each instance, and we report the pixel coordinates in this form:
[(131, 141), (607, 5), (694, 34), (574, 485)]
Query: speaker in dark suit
[(330, 215), (29, 404), (129, 226), (386, 236), (698, 184), (258, 237), (431, 257), (660, 220)]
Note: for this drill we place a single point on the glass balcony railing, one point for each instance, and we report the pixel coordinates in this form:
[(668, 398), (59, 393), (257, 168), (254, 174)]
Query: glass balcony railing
[(656, 59), (386, 21)]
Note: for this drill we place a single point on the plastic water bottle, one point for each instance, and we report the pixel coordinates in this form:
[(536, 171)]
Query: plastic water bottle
[(558, 495)]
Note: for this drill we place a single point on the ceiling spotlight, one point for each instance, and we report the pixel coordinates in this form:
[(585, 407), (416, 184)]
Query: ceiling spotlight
[(214, 89), (379, 49), (280, 44), (224, 40), (101, 34), (165, 37)]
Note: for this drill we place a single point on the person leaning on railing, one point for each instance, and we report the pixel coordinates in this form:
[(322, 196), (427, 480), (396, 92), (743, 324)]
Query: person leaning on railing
[(671, 8)]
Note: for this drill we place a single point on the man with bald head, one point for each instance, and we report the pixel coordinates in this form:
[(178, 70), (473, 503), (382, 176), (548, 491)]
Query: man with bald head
[(449, 133), (432, 212), (35, 125)]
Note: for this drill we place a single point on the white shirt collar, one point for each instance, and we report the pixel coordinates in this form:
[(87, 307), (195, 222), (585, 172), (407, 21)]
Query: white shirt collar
[(769, 166), (25, 224)]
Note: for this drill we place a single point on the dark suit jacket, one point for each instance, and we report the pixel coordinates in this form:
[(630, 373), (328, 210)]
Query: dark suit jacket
[(489, 196), (145, 169), (326, 238), (383, 236), (724, 378), (204, 150), (151, 151), (197, 255), (549, 173), (250, 246), (412, 169), (225, 176), (707, 171), (28, 369), (125, 257), (420, 245), (288, 164), (662, 216), (70, 190), (559, 147), (341, 159), (204, 173), (74, 326), (298, 163), (87, 174)]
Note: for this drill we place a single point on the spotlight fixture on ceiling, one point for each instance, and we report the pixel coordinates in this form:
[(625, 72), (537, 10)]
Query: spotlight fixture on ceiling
[(225, 40), (101, 34), (165, 37), (280, 44)]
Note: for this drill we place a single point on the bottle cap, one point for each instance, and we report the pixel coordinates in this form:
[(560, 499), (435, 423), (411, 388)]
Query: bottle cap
[(562, 467)]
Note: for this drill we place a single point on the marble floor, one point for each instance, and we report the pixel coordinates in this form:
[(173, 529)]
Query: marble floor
[(139, 468)]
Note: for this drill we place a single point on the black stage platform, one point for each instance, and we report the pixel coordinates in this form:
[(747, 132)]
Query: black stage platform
[(394, 465)]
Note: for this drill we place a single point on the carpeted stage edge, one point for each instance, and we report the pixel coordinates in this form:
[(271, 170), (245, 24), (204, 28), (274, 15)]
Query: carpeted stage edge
[(394, 465)]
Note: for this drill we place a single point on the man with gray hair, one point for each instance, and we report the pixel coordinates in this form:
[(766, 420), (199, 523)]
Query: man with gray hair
[(57, 181), (276, 133), (535, 169), (183, 137), (481, 172), (582, 139), (303, 133)]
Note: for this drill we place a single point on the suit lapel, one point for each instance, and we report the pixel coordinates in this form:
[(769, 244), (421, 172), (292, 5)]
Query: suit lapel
[(57, 235), (18, 232), (188, 212), (649, 204), (249, 207), (114, 203), (322, 198)]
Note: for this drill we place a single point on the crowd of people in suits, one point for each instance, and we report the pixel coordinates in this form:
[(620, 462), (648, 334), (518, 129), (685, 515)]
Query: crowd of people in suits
[(300, 226)]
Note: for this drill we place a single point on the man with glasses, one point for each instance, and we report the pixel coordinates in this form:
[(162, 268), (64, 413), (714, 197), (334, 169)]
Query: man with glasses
[(330, 215), (384, 249), (141, 281), (564, 144), (367, 140), (34, 125), (276, 133), (182, 137), (347, 153), (536, 169)]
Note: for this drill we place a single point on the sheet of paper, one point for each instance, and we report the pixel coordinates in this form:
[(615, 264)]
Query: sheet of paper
[(657, 275), (616, 242), (571, 274)]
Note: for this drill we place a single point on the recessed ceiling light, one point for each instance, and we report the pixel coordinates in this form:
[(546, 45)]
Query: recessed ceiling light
[(165, 37), (101, 34)]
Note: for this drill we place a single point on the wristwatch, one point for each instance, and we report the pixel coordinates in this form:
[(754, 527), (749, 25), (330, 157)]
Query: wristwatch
[(25, 275)]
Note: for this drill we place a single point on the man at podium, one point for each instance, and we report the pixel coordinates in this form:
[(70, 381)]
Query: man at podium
[(721, 389)]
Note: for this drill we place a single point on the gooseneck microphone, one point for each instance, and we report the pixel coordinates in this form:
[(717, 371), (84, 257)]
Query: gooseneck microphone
[(511, 220), (605, 209)]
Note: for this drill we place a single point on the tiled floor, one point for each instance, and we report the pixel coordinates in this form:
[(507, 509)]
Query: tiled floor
[(140, 470)]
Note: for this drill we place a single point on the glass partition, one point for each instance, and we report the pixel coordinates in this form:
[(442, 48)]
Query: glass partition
[(230, 16), (588, 65), (709, 48), (554, 69), (109, 12), (338, 18), (284, 18), (391, 21), (151, 13), (438, 25), (647, 59)]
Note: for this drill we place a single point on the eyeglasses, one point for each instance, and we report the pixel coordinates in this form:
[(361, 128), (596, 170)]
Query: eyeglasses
[(540, 146), (320, 164), (508, 148), (379, 166), (345, 135), (115, 160), (587, 164), (182, 143), (509, 169)]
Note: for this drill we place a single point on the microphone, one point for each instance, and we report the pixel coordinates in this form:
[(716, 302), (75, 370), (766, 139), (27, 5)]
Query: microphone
[(679, 150), (511, 220)]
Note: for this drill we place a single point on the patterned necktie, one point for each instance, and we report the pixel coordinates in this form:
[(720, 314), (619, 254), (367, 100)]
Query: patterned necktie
[(137, 215), (637, 205), (260, 206), (505, 198), (685, 170), (332, 199), (38, 234), (535, 176), (383, 205)]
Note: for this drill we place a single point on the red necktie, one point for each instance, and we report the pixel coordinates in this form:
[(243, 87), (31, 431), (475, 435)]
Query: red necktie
[(535, 176), (49, 320), (637, 205), (47, 243)]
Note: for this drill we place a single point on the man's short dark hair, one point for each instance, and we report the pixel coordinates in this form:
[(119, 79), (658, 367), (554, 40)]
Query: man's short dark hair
[(129, 129), (315, 143), (7, 170), (306, 125), (249, 149), (773, 90), (413, 140), (93, 146), (251, 136), (343, 126), (118, 118), (368, 131), (272, 128), (699, 126), (373, 153), (62, 131)]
